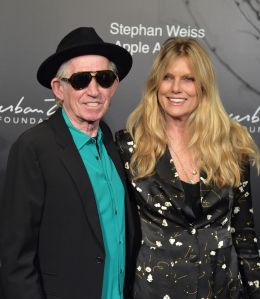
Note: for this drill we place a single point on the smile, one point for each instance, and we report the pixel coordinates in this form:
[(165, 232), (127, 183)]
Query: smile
[(92, 104), (177, 100)]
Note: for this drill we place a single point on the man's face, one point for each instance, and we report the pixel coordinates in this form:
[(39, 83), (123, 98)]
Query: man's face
[(87, 105)]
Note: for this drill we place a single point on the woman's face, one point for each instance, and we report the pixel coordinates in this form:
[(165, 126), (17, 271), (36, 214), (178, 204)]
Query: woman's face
[(177, 93)]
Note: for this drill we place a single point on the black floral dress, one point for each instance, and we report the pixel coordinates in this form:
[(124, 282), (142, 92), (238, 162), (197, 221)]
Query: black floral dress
[(212, 255)]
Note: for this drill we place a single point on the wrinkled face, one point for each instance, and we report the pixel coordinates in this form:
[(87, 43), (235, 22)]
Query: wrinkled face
[(88, 104), (177, 93)]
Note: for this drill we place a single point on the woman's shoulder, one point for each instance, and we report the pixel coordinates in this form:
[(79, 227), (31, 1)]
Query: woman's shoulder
[(123, 136), (124, 141)]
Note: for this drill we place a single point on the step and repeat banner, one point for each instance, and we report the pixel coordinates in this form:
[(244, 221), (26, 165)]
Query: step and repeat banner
[(30, 31)]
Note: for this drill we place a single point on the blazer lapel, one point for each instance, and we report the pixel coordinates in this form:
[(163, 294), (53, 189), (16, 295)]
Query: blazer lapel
[(167, 171), (113, 153), (111, 149), (72, 161), (210, 196), (213, 199), (206, 201)]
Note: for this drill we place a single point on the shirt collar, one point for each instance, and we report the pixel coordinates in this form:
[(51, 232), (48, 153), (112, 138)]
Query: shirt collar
[(80, 138)]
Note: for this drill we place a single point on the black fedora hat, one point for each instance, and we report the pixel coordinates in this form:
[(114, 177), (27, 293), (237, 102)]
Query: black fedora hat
[(83, 41)]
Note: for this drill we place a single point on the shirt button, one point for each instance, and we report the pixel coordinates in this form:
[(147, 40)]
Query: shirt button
[(99, 260), (115, 212)]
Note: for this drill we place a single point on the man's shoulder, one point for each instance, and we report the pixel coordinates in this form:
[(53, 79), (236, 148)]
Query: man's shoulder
[(35, 136), (40, 131), (35, 131)]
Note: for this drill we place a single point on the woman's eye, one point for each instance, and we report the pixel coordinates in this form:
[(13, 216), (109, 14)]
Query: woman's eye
[(167, 77), (188, 78)]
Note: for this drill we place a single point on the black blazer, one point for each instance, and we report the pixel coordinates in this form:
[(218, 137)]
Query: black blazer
[(215, 256), (50, 237)]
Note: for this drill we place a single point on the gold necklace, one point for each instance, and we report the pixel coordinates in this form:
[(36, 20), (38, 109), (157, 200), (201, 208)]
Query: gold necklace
[(194, 171)]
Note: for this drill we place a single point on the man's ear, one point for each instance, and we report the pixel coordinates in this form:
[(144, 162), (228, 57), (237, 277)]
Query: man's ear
[(57, 88)]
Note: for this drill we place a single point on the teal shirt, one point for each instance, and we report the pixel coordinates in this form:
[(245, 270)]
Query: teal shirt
[(109, 194)]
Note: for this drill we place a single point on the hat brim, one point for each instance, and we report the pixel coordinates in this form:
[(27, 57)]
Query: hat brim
[(121, 57)]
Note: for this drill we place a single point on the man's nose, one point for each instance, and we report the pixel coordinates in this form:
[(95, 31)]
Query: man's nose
[(92, 88)]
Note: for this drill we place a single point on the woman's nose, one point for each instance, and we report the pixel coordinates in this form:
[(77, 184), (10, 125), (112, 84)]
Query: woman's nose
[(176, 87)]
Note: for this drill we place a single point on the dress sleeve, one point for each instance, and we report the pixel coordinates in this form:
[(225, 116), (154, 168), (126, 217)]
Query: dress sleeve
[(244, 237), (20, 215)]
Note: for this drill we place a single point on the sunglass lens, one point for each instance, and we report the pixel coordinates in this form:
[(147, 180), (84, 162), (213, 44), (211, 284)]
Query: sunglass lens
[(80, 80), (105, 78)]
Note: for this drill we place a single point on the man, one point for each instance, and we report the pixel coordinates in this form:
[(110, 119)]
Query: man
[(63, 206)]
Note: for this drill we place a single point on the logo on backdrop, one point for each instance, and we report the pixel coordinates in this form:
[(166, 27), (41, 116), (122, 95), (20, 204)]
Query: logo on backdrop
[(21, 113), (135, 32), (251, 121)]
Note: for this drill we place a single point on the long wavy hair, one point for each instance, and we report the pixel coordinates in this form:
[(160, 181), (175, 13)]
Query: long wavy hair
[(221, 146)]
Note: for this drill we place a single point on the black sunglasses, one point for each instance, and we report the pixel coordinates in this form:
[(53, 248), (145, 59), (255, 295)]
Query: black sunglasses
[(81, 80)]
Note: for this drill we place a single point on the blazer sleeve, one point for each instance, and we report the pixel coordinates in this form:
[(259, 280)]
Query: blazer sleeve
[(244, 237), (20, 216)]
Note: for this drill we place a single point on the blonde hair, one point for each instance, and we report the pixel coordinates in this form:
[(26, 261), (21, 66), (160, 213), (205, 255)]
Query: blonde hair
[(221, 146)]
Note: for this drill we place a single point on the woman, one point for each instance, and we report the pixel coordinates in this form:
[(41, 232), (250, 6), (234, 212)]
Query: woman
[(188, 163)]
